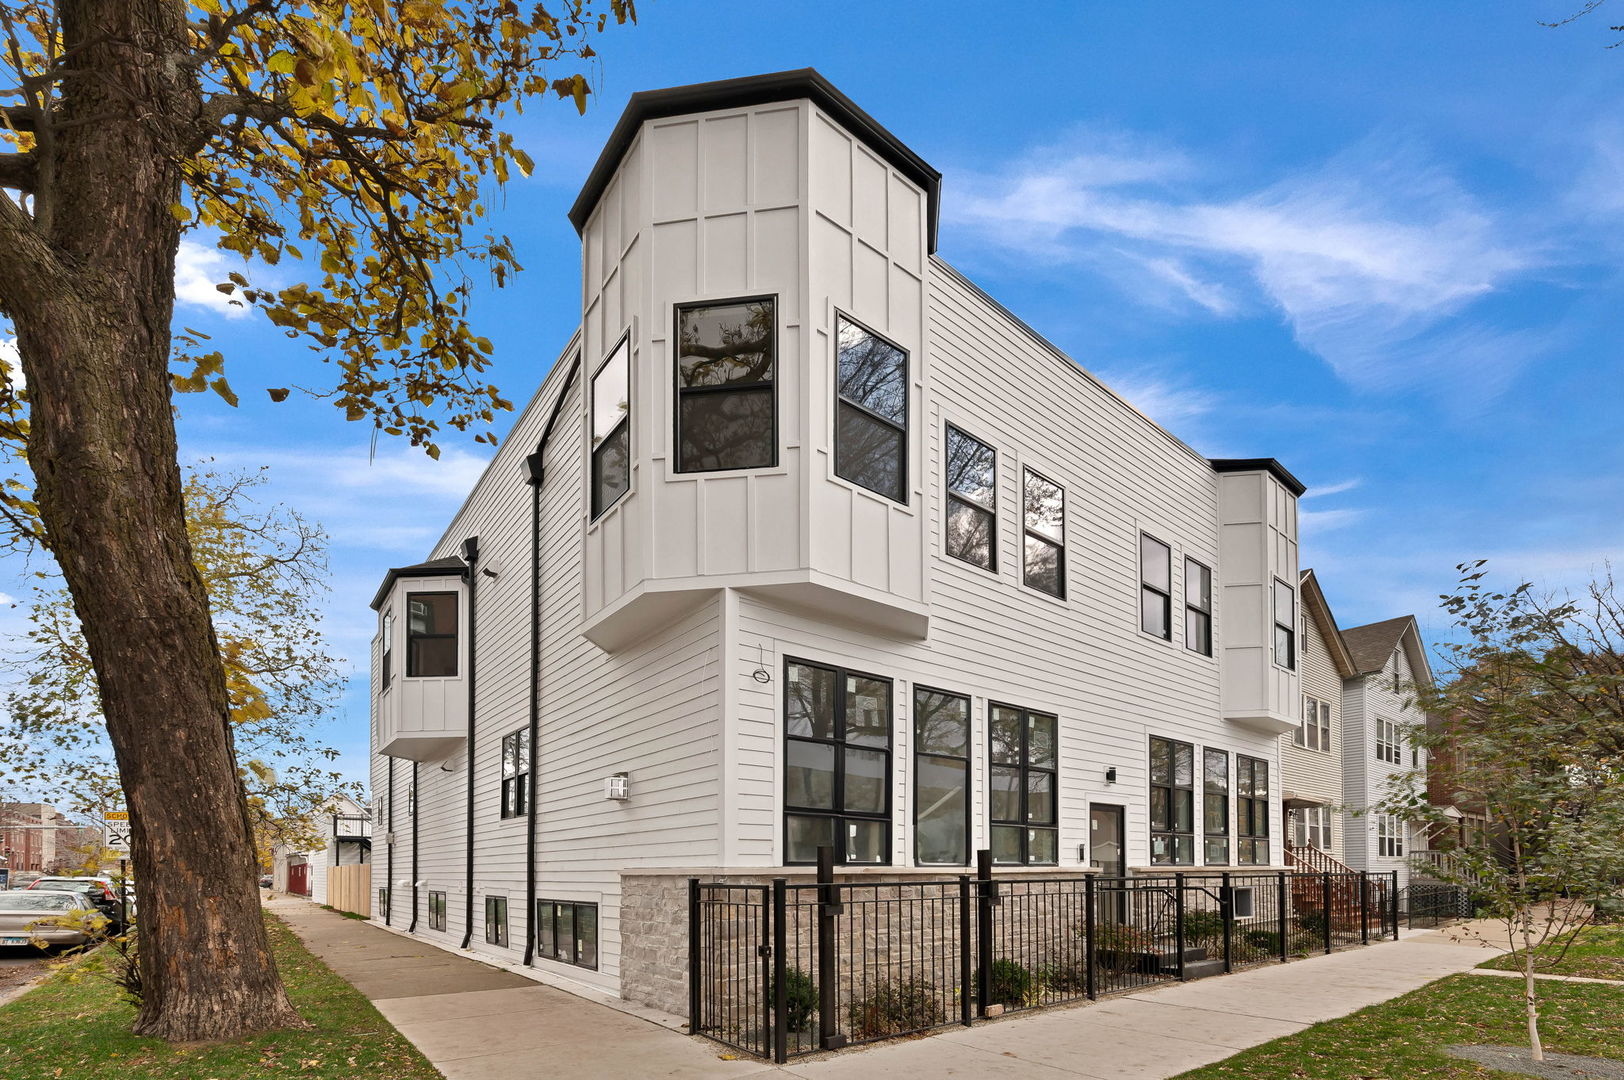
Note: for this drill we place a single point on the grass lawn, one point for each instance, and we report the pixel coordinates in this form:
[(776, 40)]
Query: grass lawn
[(1404, 1038), (78, 1029), (1598, 953)]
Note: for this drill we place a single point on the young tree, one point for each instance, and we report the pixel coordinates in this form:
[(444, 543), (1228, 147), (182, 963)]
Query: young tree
[(264, 570), (1528, 734), (350, 142)]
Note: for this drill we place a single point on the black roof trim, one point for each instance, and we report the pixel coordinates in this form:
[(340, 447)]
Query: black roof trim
[(433, 568), (1260, 464), (756, 90)]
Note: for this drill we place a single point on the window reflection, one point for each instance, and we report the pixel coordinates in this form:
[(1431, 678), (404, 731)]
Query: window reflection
[(871, 421), (726, 360)]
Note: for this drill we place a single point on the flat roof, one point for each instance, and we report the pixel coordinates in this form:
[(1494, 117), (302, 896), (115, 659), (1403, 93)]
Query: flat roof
[(1260, 464), (756, 90)]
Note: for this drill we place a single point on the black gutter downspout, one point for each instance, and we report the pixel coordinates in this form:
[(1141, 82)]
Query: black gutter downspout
[(536, 466), (470, 555), (389, 853), (412, 929)]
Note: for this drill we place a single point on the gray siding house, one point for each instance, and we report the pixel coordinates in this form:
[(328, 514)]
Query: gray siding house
[(806, 541)]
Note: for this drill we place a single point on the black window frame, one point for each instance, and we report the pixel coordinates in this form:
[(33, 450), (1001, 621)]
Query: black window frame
[(1288, 627), (496, 928), (548, 923), (516, 779), (1146, 587), (1028, 534), (455, 635), (950, 497), (387, 659), (842, 401), (437, 909), (383, 903), (1251, 810), (599, 508), (1025, 770), (1220, 797), (1169, 830), (969, 780), (1195, 614), (678, 391), (839, 744)]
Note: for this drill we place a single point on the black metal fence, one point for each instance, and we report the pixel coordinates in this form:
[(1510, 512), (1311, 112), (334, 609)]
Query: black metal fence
[(1433, 904), (790, 968)]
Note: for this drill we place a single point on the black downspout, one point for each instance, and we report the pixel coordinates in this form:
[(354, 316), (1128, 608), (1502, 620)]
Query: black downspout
[(389, 853), (536, 466), (470, 555), (412, 929)]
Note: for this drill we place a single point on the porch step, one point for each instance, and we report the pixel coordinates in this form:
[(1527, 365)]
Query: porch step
[(1170, 957), (1203, 969)]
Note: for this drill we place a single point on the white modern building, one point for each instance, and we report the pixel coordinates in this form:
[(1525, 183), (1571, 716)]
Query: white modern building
[(342, 836), (805, 540)]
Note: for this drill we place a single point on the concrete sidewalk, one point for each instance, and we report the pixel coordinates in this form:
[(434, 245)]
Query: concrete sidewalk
[(476, 1022)]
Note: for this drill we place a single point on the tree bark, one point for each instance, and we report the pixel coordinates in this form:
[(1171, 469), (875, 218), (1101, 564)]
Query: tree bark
[(90, 296)]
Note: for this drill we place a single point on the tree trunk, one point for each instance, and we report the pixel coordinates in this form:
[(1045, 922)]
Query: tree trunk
[(93, 326), (1536, 1048)]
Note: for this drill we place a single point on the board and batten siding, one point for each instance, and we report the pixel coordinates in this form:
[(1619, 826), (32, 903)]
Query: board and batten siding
[(651, 711), (1317, 774)]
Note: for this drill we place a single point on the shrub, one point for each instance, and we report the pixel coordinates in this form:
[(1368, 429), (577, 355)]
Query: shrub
[(895, 1007), (1265, 941), (1011, 984), (800, 1000), (1204, 924), (1123, 938), (1312, 922)]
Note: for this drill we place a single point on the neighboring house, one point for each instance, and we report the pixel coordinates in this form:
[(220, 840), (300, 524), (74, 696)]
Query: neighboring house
[(39, 838), (343, 829), (804, 541), (1312, 770), (1379, 712)]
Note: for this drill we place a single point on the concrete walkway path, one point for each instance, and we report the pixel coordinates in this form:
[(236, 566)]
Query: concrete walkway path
[(476, 1022)]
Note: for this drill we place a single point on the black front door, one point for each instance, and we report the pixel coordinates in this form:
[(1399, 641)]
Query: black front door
[(1106, 833)]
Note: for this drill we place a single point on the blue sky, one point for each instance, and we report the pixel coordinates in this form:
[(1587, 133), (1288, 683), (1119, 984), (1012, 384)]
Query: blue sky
[(1380, 242)]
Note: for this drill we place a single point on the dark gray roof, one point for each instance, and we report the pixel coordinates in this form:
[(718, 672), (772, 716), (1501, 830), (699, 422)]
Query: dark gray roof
[(433, 568), (1260, 464), (1371, 644), (756, 90)]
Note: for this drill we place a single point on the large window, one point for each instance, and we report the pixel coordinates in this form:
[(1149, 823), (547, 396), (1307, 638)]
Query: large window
[(871, 420), (436, 910), (431, 635), (1197, 607), (1172, 803), (612, 428), (1311, 827), (1252, 809), (567, 932), (727, 354), (496, 921), (972, 499), (1215, 807), (1024, 811), (388, 664), (515, 774), (837, 773), (1043, 508), (1314, 733), (941, 778), (1389, 836), (1389, 742), (1155, 587), (1285, 625)]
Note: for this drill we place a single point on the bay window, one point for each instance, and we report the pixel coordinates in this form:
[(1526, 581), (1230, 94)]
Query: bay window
[(871, 416), (431, 635), (1285, 625), (727, 355), (611, 428)]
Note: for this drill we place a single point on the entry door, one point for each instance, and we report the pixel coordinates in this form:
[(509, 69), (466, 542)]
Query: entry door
[(1105, 836)]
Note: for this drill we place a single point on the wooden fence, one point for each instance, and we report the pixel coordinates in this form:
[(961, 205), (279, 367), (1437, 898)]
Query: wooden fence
[(349, 888)]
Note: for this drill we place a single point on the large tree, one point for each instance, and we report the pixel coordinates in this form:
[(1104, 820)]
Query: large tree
[(354, 143)]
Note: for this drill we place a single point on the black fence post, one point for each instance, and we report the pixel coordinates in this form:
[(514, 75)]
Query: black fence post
[(1325, 901), (1285, 923), (1226, 908), (829, 1036), (780, 976), (1089, 986), (1394, 903), (986, 897), (965, 974), (693, 956), (1178, 922), (1364, 907)]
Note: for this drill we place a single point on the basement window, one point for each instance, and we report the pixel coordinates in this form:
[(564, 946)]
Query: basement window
[(567, 931), (496, 921), (436, 911), (727, 354)]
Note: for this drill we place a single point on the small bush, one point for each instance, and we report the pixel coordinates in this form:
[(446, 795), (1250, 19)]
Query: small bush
[(1123, 938), (1312, 922), (801, 999), (895, 1007), (1203, 925), (1265, 941), (1011, 984)]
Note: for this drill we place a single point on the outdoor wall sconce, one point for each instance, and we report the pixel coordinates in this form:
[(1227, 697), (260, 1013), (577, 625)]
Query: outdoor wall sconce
[(1110, 775), (618, 787)]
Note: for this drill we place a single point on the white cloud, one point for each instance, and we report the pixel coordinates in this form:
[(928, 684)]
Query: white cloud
[(1364, 256), (1170, 403), (198, 269), (1333, 489), (12, 361), (1315, 522)]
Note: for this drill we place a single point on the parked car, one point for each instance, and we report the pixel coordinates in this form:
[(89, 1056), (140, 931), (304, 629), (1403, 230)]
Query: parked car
[(24, 915), (100, 891), (265, 881)]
